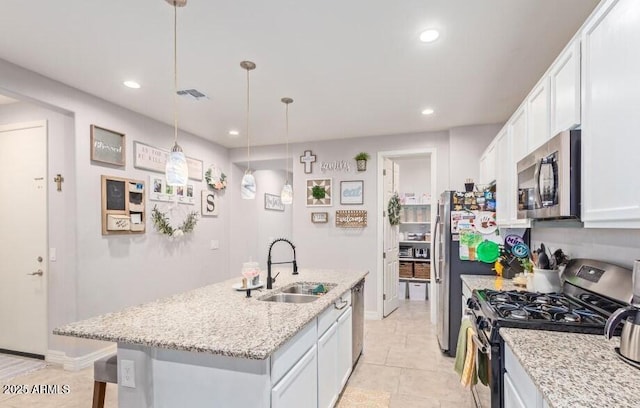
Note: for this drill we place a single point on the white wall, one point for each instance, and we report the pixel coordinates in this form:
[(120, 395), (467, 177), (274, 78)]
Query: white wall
[(415, 176), (467, 145), (324, 245), (617, 246), (254, 227), (96, 274)]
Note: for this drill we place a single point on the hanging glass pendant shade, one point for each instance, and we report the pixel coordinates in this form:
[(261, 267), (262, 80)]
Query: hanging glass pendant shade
[(286, 195), (177, 171), (248, 184)]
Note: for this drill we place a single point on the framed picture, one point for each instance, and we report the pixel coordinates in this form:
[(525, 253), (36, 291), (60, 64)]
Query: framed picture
[(273, 202), (108, 146), (352, 192), (319, 217), (158, 189), (147, 157), (351, 218), (209, 207), (319, 192)]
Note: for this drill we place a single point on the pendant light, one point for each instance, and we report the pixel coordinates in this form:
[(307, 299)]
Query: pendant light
[(286, 195), (248, 186), (176, 170)]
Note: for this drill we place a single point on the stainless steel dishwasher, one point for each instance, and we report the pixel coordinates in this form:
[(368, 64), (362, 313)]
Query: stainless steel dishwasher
[(357, 304)]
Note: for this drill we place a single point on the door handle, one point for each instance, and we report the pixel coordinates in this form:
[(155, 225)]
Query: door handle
[(36, 273)]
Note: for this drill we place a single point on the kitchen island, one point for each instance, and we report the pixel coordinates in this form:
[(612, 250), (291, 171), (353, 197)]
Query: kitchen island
[(213, 346)]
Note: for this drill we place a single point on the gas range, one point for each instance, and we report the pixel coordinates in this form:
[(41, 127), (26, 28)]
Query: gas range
[(591, 292)]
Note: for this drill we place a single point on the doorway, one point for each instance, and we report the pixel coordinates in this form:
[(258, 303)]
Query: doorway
[(404, 249), (23, 240)]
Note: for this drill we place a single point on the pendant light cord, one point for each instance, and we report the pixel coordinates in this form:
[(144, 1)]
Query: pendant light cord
[(175, 73), (247, 127), (286, 159)]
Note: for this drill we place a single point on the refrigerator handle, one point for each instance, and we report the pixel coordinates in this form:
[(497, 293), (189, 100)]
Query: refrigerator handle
[(436, 242)]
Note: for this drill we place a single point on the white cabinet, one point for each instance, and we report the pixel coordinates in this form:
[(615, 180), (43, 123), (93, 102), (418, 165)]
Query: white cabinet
[(610, 119), (344, 348), (328, 390), (519, 389), (537, 116), (564, 77), (503, 177), (511, 396), (488, 166), (334, 353), (519, 134), (299, 387)]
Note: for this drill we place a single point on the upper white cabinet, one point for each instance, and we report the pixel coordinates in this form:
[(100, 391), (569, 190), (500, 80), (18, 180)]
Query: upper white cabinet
[(564, 77), (488, 166), (503, 177), (610, 116), (537, 116), (519, 135)]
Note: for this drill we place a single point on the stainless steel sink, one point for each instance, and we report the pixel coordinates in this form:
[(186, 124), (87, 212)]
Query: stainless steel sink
[(307, 288), (290, 298)]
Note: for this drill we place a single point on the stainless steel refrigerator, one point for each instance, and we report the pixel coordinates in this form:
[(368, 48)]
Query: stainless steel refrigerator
[(448, 268)]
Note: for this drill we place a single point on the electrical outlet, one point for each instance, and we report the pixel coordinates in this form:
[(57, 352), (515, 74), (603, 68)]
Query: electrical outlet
[(127, 373), (215, 244)]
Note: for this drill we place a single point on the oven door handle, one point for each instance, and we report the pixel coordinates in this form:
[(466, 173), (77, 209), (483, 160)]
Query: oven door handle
[(482, 348)]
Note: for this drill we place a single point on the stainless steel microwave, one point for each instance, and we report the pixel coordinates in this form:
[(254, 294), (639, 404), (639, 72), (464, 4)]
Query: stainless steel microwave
[(549, 179)]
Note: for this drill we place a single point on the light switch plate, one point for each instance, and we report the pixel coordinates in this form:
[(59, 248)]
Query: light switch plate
[(215, 244), (127, 373), (53, 255)]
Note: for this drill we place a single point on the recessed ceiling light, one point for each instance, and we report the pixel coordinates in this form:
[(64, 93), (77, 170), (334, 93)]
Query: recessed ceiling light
[(429, 36), (233, 133), (427, 111), (131, 84)]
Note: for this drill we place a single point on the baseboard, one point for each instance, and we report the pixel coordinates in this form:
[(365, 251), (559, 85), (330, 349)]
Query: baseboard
[(78, 363), (371, 315), (22, 354)]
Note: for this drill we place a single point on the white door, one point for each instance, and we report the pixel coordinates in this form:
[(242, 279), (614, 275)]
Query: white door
[(390, 233), (299, 387), (328, 368), (23, 237), (345, 335)]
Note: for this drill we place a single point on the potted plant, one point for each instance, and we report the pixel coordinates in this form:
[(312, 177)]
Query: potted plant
[(361, 161), (318, 192)]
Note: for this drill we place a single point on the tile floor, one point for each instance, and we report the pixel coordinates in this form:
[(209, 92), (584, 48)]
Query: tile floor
[(402, 359), (402, 367)]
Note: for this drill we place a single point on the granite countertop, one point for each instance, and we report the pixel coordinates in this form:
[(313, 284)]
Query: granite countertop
[(489, 282), (575, 370), (216, 318)]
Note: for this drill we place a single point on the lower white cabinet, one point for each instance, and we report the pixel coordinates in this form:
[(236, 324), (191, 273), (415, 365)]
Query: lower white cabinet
[(345, 348), (299, 387), (519, 389), (328, 367)]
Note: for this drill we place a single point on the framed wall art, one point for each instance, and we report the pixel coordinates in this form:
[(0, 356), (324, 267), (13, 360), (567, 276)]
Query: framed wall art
[(351, 218), (319, 192), (108, 146), (209, 206), (273, 202), (319, 217), (352, 192), (123, 209)]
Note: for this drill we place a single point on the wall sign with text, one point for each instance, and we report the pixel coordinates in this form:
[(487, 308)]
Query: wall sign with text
[(151, 158), (351, 218)]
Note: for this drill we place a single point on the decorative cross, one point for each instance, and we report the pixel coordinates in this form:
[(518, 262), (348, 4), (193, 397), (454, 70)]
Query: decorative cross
[(308, 159), (59, 180)]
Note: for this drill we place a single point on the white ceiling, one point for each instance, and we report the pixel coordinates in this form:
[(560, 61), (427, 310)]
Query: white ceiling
[(354, 67)]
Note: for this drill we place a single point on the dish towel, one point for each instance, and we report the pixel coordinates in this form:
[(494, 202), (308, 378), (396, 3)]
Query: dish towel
[(483, 368), (465, 363)]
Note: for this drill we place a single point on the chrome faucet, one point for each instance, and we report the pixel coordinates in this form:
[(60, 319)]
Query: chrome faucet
[(270, 280)]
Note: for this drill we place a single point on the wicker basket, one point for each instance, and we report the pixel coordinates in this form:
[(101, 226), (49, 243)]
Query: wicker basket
[(406, 270), (422, 270)]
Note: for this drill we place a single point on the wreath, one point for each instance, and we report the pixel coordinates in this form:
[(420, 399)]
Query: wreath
[(161, 223), (394, 210), (216, 179)]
